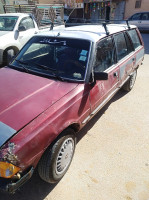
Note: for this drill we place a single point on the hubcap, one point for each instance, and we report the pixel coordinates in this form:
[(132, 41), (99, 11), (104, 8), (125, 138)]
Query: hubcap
[(64, 155)]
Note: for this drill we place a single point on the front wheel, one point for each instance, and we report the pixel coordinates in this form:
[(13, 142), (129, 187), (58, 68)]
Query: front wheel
[(56, 160), (8, 55), (130, 83)]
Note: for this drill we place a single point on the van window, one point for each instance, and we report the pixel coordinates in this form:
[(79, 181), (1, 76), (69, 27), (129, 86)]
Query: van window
[(134, 37), (105, 55), (27, 22), (121, 47), (145, 16)]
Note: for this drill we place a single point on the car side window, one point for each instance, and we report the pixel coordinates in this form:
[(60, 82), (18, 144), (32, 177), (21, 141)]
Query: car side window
[(145, 16), (134, 37), (105, 55), (27, 22), (129, 44), (121, 46), (137, 16)]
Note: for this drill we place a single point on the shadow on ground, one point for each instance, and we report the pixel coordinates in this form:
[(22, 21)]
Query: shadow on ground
[(35, 188)]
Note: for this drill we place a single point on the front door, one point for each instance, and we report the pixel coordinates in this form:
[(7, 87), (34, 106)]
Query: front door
[(28, 32), (102, 91)]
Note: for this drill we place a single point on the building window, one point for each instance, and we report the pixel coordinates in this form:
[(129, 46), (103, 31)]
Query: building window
[(138, 4)]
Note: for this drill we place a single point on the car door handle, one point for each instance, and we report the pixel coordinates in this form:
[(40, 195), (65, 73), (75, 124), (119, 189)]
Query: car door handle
[(115, 74), (133, 59)]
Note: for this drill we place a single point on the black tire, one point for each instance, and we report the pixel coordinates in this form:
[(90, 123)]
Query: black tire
[(10, 55), (57, 158), (130, 83), (7, 57)]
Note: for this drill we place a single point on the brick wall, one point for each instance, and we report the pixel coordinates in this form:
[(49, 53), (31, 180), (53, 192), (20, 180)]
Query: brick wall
[(130, 7)]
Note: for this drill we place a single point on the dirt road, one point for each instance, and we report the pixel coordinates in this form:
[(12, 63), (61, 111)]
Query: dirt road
[(111, 161)]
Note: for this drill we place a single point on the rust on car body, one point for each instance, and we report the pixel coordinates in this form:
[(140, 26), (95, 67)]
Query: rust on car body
[(40, 104)]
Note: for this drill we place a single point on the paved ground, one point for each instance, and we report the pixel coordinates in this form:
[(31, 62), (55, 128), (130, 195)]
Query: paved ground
[(111, 161)]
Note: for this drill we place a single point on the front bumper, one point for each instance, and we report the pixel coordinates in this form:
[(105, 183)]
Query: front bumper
[(7, 185)]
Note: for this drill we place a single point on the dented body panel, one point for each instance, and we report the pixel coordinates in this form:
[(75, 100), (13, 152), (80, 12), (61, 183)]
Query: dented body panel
[(36, 109)]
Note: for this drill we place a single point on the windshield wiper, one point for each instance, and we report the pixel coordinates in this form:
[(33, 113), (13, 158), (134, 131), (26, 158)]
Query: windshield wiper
[(58, 77), (54, 75), (45, 67)]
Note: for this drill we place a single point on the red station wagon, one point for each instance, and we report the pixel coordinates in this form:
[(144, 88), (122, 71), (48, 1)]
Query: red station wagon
[(52, 88)]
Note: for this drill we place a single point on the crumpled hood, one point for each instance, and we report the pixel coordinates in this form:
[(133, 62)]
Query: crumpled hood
[(24, 96)]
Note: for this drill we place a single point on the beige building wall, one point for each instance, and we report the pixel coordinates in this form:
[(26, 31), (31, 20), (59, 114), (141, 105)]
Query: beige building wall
[(130, 7)]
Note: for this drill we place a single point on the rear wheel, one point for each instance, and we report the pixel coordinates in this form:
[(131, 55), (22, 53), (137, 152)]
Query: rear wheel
[(130, 83), (56, 160)]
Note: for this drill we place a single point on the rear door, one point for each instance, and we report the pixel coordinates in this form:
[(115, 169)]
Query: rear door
[(102, 90), (126, 58), (137, 45)]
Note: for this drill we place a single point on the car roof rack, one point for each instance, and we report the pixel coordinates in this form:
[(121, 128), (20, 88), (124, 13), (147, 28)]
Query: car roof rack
[(108, 22), (105, 27), (103, 22)]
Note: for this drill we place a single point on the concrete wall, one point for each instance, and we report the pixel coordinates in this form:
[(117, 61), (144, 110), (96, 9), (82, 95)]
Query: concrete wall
[(130, 7)]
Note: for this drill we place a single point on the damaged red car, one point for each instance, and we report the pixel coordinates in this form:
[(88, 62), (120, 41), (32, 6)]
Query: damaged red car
[(52, 88)]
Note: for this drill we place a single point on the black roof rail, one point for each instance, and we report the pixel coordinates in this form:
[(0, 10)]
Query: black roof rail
[(105, 27), (108, 21), (127, 22), (96, 22)]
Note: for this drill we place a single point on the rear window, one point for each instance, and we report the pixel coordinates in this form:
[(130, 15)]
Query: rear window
[(134, 37)]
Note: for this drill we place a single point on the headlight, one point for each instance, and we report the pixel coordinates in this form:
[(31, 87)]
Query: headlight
[(7, 170)]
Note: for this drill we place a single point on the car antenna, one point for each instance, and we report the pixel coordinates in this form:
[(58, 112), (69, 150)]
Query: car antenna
[(105, 27), (69, 15)]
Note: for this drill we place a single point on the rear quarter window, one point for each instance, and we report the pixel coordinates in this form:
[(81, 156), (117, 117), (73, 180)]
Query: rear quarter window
[(135, 38)]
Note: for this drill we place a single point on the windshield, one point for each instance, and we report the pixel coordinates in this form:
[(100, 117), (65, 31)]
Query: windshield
[(57, 57), (7, 23)]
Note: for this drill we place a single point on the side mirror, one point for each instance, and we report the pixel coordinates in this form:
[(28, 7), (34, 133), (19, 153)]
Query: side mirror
[(16, 34), (100, 76), (21, 28)]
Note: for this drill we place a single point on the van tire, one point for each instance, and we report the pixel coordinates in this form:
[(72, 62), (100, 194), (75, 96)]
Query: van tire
[(57, 158), (130, 83), (10, 54)]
